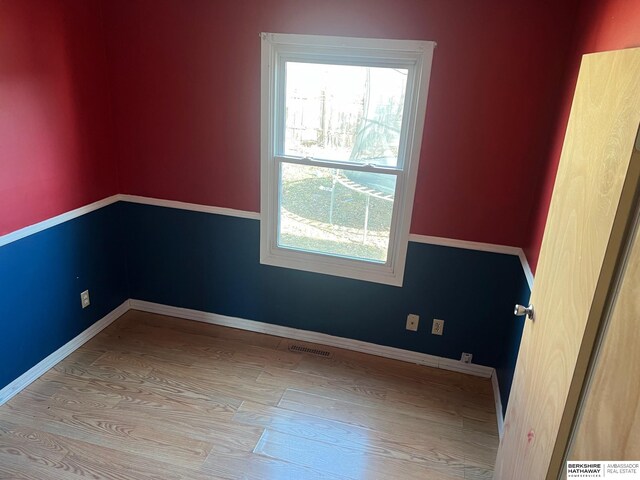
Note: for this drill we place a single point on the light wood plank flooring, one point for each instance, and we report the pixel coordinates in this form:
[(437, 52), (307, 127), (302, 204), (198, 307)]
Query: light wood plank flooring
[(154, 397)]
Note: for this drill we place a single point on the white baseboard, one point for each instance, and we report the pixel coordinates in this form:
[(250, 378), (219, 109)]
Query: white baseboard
[(496, 397), (36, 371), (40, 368), (314, 337)]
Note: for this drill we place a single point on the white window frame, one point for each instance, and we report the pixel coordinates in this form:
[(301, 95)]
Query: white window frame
[(416, 57)]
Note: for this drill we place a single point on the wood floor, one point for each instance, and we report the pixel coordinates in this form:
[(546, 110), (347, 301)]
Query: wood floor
[(162, 398)]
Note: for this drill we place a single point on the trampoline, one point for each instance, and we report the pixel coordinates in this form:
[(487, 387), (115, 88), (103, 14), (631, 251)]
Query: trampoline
[(376, 142)]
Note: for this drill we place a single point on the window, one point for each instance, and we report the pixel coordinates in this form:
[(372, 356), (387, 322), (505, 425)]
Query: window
[(342, 122)]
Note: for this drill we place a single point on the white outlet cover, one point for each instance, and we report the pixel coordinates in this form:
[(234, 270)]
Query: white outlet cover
[(438, 327), (412, 322), (466, 357), (84, 299)]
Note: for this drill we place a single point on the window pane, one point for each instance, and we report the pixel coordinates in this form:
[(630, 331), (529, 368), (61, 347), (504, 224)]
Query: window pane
[(344, 112), (336, 212)]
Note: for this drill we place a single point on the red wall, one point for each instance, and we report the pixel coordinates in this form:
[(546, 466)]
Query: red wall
[(183, 82), (603, 25), (186, 88), (54, 110)]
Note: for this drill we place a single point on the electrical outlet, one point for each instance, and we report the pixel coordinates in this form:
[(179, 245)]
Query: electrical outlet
[(84, 298), (438, 327), (412, 322), (466, 357)]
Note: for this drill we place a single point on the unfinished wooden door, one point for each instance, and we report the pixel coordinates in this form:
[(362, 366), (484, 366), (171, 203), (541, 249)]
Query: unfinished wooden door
[(588, 218), (608, 423)]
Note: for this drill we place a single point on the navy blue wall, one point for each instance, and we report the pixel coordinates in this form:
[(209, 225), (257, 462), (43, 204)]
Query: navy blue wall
[(41, 277), (211, 263), (510, 343)]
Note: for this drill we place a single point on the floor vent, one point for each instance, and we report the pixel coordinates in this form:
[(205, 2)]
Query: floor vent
[(311, 351)]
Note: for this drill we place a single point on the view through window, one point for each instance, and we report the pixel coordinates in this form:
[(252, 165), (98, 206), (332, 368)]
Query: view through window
[(342, 123), (349, 114)]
